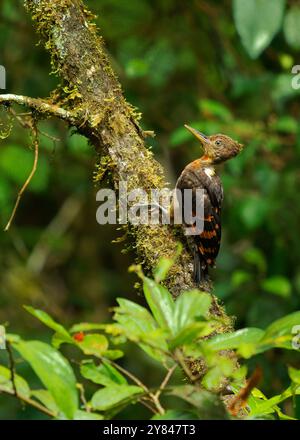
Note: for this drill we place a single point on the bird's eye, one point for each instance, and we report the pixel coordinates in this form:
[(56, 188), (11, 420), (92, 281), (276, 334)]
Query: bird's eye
[(218, 142)]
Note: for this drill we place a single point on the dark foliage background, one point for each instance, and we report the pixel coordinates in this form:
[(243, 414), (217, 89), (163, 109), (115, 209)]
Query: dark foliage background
[(178, 62)]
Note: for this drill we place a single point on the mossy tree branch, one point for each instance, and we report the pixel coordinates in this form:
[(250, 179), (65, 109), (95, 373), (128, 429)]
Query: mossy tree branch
[(91, 99)]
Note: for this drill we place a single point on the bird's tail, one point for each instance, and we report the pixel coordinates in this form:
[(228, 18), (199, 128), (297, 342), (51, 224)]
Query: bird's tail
[(200, 268)]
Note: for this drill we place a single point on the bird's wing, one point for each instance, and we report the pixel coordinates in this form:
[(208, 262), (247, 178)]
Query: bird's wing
[(208, 241)]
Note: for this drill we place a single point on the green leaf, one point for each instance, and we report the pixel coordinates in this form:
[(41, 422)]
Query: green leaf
[(6, 384), (188, 307), (93, 344), (86, 327), (283, 326), (278, 285), (113, 354), (228, 341), (46, 399), (54, 371), (160, 302), (190, 334), (84, 415), (139, 326), (291, 27), (294, 375), (270, 405), (161, 271), (103, 374), (257, 22), (114, 395), (216, 375), (280, 332), (141, 319), (46, 319)]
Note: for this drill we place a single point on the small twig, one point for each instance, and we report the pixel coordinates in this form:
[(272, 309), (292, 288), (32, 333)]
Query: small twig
[(30, 402), (165, 381), (148, 406), (20, 118), (41, 106), (82, 397), (11, 367), (131, 376), (36, 155), (47, 135), (180, 359)]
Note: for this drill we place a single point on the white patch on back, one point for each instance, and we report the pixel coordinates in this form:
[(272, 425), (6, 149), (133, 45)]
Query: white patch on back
[(209, 171)]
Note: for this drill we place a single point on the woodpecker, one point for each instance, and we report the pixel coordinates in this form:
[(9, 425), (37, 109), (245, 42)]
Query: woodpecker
[(201, 174)]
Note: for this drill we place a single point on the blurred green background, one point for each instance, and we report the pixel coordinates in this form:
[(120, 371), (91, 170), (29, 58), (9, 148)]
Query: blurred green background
[(216, 65)]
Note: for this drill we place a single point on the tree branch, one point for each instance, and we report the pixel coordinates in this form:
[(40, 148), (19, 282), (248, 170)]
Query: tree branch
[(42, 107)]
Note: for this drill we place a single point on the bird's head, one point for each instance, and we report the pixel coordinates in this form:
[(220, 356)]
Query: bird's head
[(216, 148)]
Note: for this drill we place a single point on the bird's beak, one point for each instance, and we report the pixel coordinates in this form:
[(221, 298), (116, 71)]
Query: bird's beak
[(200, 136)]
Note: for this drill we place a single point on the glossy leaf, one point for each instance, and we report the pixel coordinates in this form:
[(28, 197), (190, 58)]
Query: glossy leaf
[(233, 340), (104, 374), (190, 334), (282, 327), (93, 344), (114, 395), (46, 399), (160, 302), (46, 319), (162, 269), (6, 384), (139, 326), (54, 371), (270, 405), (189, 306), (294, 375), (84, 415), (86, 327)]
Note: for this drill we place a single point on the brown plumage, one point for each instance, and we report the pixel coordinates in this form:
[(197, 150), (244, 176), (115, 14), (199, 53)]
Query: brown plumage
[(201, 174)]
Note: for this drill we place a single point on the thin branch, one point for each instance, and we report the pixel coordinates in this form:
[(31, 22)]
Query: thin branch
[(29, 178), (80, 387), (165, 381), (131, 376), (41, 106), (30, 402), (148, 406), (178, 357)]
